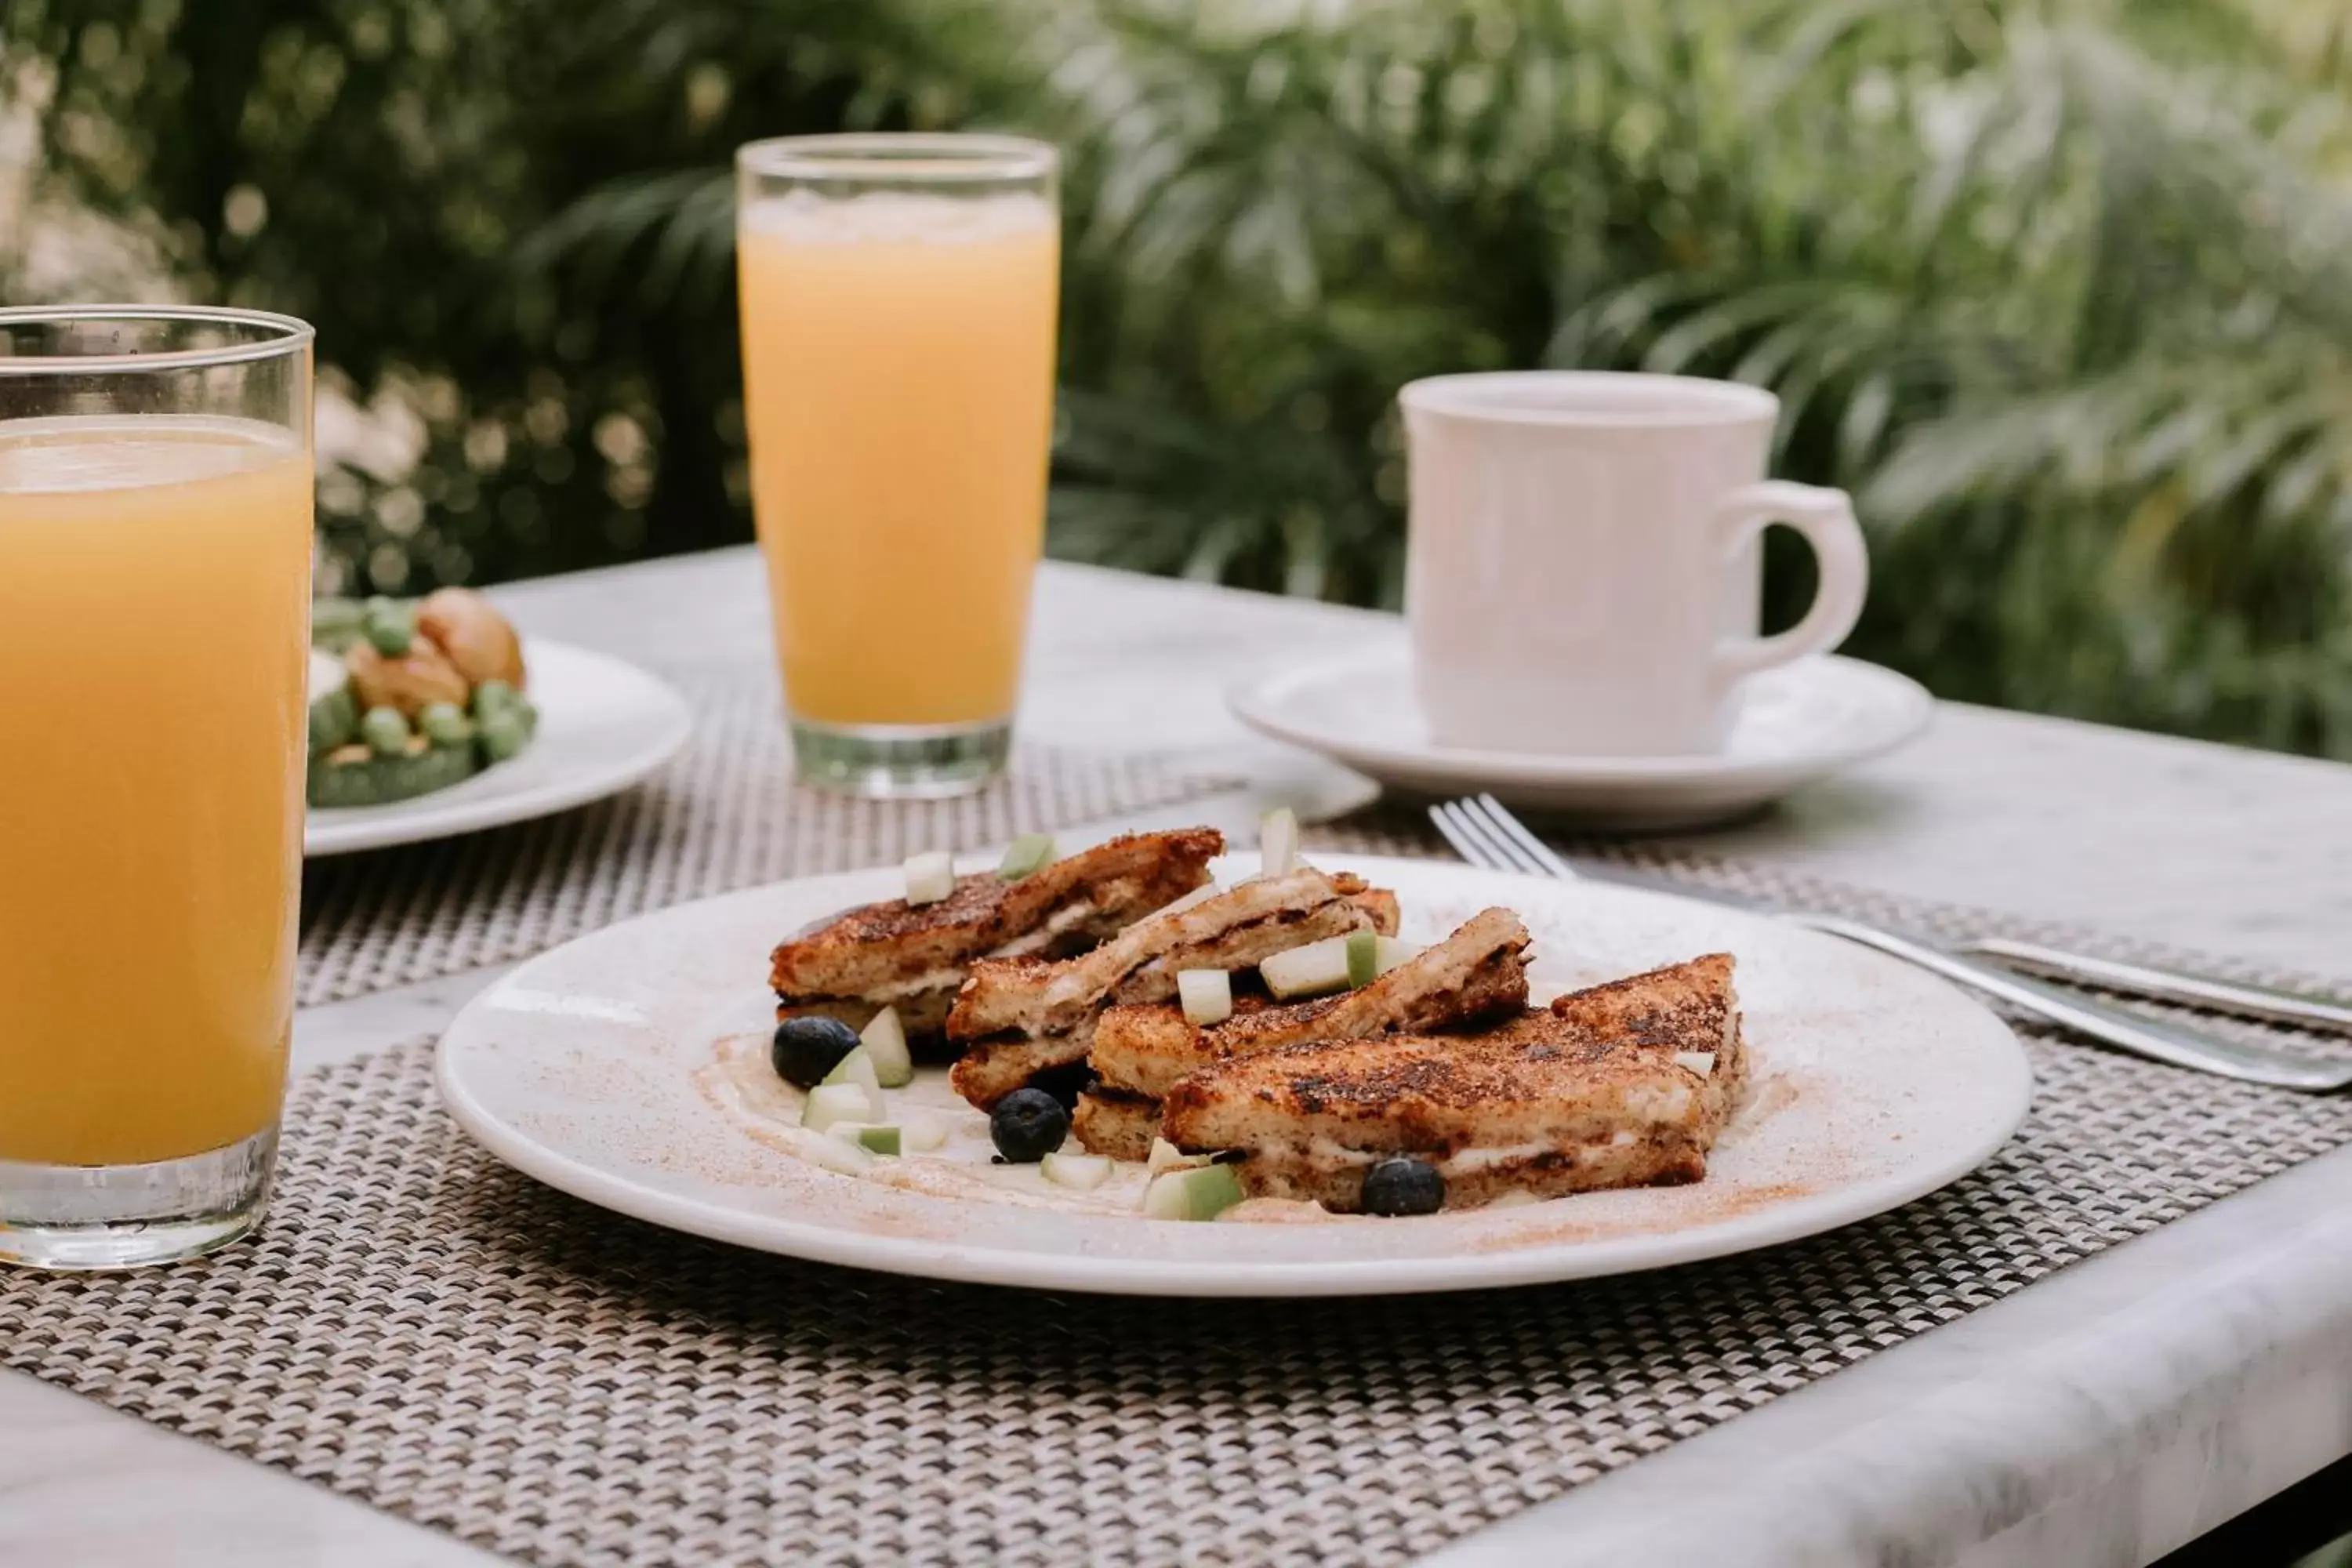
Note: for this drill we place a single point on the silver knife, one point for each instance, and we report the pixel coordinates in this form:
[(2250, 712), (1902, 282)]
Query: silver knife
[(2166, 984)]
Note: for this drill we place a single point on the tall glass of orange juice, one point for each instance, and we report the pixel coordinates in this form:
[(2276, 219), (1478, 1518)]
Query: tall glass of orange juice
[(155, 550), (899, 296)]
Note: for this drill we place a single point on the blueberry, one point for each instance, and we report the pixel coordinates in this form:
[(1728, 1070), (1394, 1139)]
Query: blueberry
[(1028, 1125), (1403, 1186), (808, 1048)]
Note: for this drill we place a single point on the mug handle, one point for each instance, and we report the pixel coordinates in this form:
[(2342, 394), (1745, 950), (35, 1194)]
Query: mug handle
[(1825, 517)]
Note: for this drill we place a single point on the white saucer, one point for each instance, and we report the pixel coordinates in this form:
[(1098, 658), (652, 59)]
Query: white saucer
[(602, 725), (1799, 722)]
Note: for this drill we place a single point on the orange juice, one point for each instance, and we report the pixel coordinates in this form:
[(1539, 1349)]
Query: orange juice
[(154, 603), (899, 370)]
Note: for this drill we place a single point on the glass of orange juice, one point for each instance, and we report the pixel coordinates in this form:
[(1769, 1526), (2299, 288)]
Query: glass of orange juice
[(899, 298), (155, 549)]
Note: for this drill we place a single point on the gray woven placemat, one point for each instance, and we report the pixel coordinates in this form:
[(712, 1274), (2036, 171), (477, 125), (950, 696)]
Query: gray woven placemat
[(426, 1330), (725, 815)]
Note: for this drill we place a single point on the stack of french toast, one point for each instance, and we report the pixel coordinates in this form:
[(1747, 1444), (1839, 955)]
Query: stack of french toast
[(1279, 1027)]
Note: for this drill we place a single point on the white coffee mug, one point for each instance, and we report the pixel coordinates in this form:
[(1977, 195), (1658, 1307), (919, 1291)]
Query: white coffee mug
[(1583, 568)]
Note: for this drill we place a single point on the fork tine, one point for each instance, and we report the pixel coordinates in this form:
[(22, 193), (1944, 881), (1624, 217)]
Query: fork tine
[(1517, 859), (1469, 848), (1507, 825), (1490, 848), (1469, 838)]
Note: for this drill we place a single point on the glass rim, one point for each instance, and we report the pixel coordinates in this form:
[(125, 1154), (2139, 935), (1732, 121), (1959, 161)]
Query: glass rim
[(285, 334), (936, 156)]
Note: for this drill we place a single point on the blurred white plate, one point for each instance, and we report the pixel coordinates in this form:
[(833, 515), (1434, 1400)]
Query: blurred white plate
[(1796, 724), (590, 1068), (602, 725)]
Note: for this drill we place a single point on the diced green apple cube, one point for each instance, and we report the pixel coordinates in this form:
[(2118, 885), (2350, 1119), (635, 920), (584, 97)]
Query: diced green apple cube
[(930, 876), (1277, 843), (1699, 1062), (882, 1139), (831, 1102), (1203, 1192), (1030, 852), (1079, 1173), (1308, 971), (1335, 963), (885, 1041), (1205, 994), (857, 1071)]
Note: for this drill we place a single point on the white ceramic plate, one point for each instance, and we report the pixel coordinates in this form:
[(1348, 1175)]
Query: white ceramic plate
[(602, 725), (1797, 723), (1874, 1084)]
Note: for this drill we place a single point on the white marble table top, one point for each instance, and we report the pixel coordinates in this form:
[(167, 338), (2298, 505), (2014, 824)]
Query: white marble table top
[(2103, 1416)]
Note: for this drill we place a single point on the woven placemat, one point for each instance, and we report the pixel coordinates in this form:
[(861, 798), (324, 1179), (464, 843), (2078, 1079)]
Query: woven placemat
[(425, 1330), (725, 815)]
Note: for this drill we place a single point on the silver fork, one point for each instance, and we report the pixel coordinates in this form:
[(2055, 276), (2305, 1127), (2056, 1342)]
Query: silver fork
[(1484, 833)]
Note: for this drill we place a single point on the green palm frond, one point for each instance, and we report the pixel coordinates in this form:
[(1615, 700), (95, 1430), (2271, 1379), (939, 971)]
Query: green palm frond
[(667, 233)]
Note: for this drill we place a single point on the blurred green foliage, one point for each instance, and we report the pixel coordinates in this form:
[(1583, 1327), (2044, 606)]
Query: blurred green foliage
[(2061, 289)]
